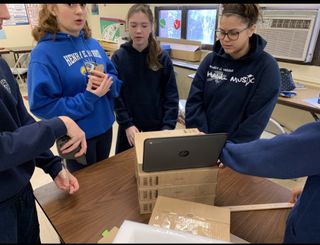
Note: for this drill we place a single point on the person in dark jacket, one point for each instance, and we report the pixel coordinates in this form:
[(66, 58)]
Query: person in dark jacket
[(149, 97), (286, 156), (25, 144), (236, 86)]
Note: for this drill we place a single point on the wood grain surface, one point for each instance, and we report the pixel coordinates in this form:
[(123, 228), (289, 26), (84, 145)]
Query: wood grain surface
[(108, 195)]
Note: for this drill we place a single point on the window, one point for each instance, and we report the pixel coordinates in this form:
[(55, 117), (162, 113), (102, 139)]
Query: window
[(197, 23), (201, 25), (169, 23)]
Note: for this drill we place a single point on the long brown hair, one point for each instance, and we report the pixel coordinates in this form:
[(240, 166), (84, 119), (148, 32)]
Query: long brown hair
[(248, 12), (48, 24), (154, 48)]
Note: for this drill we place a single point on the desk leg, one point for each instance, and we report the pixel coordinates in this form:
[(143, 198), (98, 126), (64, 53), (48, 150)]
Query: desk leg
[(16, 57), (315, 116)]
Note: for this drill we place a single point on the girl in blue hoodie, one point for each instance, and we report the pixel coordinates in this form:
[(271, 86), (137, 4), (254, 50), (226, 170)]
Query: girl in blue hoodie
[(286, 156), (62, 79), (149, 97), (236, 86)]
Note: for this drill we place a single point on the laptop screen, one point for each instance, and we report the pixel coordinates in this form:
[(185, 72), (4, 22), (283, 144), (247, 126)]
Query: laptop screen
[(192, 151)]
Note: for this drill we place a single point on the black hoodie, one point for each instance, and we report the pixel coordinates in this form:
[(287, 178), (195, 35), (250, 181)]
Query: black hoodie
[(148, 99), (234, 96), (24, 143)]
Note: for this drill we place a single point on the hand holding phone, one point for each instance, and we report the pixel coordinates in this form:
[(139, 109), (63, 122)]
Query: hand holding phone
[(99, 67), (96, 76), (60, 142)]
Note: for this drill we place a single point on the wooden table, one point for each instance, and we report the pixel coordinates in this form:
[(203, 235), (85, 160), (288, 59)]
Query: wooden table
[(18, 50), (108, 195), (4, 51), (297, 101)]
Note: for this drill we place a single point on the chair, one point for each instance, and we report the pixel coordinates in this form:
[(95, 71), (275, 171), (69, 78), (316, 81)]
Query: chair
[(20, 68), (274, 127)]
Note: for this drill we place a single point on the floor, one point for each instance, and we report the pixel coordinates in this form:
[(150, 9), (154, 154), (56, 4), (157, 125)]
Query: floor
[(39, 178)]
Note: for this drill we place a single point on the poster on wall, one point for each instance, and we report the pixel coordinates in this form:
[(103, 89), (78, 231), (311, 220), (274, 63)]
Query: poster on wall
[(94, 9), (111, 28), (18, 15), (33, 13)]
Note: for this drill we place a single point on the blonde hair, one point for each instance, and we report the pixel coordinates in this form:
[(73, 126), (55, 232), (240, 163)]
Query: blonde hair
[(48, 24), (154, 48)]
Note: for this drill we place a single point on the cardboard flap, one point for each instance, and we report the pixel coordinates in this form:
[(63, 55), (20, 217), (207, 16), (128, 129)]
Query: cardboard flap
[(140, 137), (197, 218)]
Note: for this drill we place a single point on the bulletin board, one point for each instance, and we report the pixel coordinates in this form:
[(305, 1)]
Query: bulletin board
[(18, 15), (33, 14)]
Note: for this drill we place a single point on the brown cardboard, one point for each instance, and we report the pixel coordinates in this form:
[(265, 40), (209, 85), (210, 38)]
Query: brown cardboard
[(146, 207), (140, 137), (206, 220), (183, 49), (176, 177), (177, 191), (109, 238)]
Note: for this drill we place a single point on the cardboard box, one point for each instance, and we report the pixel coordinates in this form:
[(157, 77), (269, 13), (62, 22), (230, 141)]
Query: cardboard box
[(196, 218), (146, 207), (177, 191), (183, 49), (140, 137), (176, 177)]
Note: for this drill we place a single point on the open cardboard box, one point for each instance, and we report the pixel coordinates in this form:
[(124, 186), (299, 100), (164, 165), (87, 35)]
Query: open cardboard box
[(196, 218), (183, 49)]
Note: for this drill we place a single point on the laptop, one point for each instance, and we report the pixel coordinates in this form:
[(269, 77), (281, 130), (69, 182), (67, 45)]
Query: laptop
[(181, 152)]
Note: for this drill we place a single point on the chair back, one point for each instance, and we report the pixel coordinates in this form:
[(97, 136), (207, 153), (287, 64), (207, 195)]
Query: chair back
[(23, 60), (20, 68)]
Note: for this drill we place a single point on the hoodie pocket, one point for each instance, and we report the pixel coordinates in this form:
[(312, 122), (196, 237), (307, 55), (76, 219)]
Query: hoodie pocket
[(147, 115)]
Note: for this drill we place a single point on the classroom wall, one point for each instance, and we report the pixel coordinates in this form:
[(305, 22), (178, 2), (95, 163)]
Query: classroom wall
[(17, 36), (115, 11), (15, 33), (291, 118)]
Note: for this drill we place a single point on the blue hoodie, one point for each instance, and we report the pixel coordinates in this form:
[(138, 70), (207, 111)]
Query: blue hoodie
[(57, 80), (234, 96), (149, 99), (24, 143), (286, 156)]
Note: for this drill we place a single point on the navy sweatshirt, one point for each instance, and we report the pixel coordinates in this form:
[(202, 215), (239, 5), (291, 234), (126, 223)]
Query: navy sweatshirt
[(286, 156), (148, 99), (234, 96), (24, 143)]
